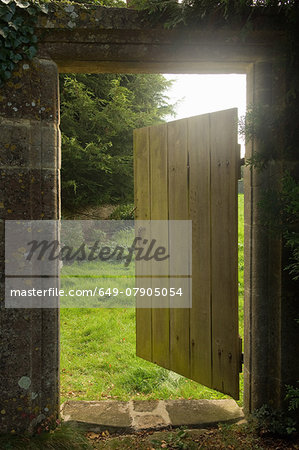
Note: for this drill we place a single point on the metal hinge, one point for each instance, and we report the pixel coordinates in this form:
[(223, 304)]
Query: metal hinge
[(241, 359)]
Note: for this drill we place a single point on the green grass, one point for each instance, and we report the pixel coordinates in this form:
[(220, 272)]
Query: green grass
[(63, 438), (98, 359)]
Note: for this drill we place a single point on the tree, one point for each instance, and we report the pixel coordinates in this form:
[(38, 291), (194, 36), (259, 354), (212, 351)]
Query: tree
[(98, 115)]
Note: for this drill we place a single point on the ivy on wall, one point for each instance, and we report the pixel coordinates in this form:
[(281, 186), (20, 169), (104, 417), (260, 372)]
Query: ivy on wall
[(18, 40), (18, 19)]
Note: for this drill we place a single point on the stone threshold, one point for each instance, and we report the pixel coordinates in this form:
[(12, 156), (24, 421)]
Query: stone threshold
[(140, 415)]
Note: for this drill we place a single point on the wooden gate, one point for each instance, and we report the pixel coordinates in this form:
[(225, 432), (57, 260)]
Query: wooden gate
[(188, 169)]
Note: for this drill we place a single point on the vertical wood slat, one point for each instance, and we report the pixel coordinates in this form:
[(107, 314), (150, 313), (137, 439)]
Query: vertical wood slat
[(159, 211), (178, 210), (142, 212), (199, 207), (224, 250)]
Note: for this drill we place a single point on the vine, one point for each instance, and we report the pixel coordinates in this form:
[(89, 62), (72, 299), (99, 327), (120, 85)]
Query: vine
[(214, 12), (18, 40)]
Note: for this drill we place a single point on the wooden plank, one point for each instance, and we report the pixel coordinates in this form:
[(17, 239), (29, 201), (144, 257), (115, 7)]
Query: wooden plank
[(159, 211), (199, 207), (142, 212), (224, 251), (178, 210)]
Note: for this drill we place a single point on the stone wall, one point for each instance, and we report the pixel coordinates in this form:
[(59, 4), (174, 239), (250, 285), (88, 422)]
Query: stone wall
[(29, 186), (76, 39)]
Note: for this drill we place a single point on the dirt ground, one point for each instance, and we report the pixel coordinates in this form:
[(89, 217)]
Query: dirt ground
[(91, 213), (224, 437), (235, 437)]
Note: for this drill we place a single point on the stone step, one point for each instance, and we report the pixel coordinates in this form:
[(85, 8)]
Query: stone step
[(149, 414)]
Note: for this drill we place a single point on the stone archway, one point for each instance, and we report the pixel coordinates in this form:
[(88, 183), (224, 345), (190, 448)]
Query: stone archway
[(117, 40)]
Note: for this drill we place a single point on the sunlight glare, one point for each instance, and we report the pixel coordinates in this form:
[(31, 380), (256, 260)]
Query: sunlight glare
[(201, 94)]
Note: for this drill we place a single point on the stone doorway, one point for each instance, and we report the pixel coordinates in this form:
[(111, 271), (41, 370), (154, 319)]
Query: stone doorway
[(70, 369), (29, 120)]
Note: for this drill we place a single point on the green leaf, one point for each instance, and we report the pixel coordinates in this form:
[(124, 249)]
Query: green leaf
[(12, 35), (10, 66), (31, 51), (44, 8), (30, 30), (12, 25), (3, 11), (16, 43), (22, 4), (16, 58), (24, 39), (31, 11), (3, 33), (12, 7), (8, 17), (8, 43), (3, 53), (18, 21), (7, 74)]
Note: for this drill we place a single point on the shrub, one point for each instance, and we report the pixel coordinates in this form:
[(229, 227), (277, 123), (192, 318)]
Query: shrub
[(124, 212)]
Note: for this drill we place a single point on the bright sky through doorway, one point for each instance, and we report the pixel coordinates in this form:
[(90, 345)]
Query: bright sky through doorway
[(200, 94)]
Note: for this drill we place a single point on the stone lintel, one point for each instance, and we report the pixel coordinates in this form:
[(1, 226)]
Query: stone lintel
[(99, 39)]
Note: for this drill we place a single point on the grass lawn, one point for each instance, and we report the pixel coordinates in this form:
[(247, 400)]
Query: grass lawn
[(98, 358)]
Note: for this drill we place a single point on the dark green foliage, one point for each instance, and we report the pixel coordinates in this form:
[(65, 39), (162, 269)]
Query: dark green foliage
[(98, 115), (290, 212), (213, 12), (293, 397), (262, 124), (276, 132), (266, 420), (18, 40), (123, 212), (17, 34), (280, 208), (108, 3)]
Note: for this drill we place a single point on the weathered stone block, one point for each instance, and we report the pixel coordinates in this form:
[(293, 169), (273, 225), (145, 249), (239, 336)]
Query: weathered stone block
[(29, 194), (27, 143), (29, 189), (27, 392), (32, 92), (14, 143)]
